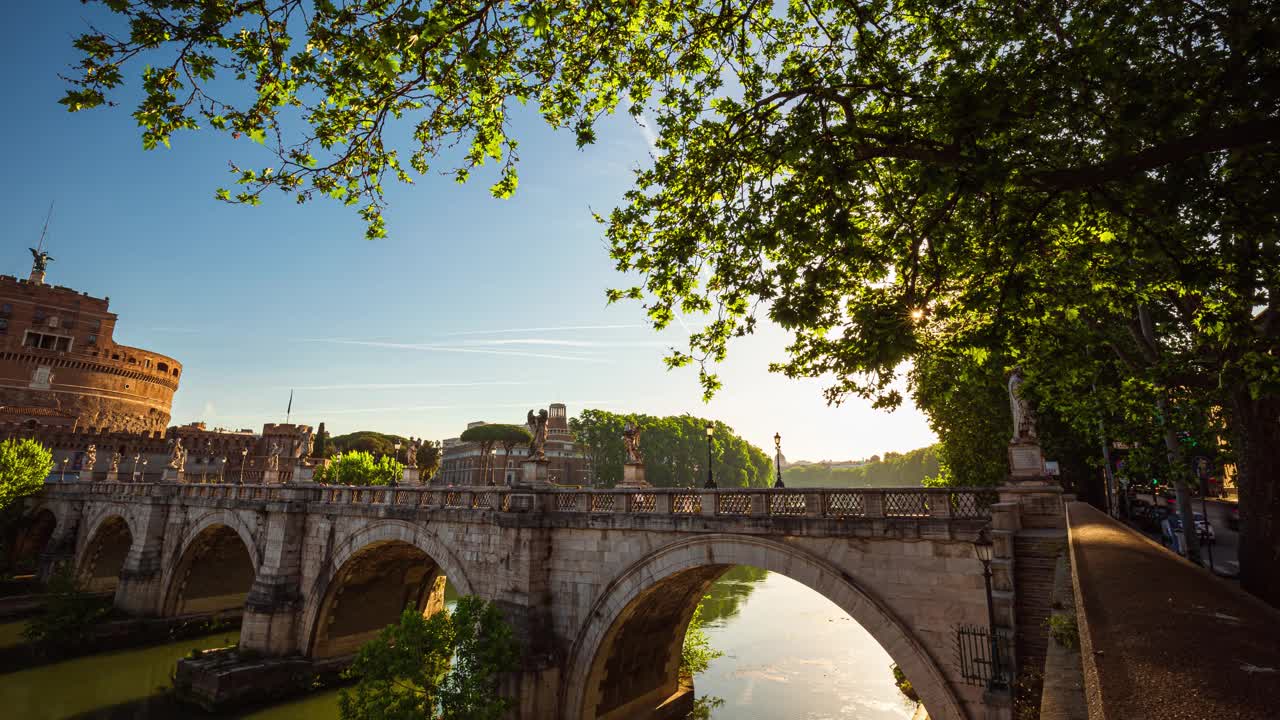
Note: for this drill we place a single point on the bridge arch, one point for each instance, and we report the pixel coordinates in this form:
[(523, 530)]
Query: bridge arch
[(109, 536), (31, 537), (374, 574), (625, 659), (214, 567)]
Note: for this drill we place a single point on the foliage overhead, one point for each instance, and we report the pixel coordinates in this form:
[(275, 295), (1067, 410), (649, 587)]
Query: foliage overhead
[(24, 466), (443, 666)]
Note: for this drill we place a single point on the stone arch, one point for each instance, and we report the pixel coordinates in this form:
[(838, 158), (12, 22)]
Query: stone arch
[(364, 566), (31, 537), (108, 538), (214, 567), (647, 607)]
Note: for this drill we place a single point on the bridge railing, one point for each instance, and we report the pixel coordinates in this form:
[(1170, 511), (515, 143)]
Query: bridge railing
[(832, 503)]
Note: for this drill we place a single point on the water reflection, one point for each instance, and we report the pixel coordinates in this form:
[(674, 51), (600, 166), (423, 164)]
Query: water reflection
[(788, 653)]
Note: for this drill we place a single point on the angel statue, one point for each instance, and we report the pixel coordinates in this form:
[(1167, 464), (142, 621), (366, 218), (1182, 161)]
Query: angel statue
[(631, 440), (116, 457), (90, 457), (538, 429), (411, 453), (177, 455), (39, 260)]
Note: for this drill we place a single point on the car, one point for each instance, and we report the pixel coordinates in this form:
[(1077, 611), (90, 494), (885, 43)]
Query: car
[(1172, 523), (1233, 517)]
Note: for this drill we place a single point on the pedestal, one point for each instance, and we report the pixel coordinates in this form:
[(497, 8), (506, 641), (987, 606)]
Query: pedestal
[(533, 473), (113, 476), (270, 477), (1026, 462), (303, 474), (633, 476), (412, 476), (174, 475)]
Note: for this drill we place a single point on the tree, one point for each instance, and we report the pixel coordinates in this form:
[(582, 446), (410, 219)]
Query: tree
[(489, 434), (357, 467), (447, 665), (321, 446), (860, 172), (429, 455), (24, 466)]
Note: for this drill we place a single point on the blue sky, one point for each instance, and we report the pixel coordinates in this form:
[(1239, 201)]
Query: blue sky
[(473, 308)]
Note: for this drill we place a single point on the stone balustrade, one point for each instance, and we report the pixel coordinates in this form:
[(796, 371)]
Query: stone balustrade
[(837, 503)]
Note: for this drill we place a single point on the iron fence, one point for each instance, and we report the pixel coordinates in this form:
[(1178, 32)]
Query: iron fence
[(973, 654)]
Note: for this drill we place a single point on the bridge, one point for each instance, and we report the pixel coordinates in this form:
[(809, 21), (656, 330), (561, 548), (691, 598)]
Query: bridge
[(599, 585)]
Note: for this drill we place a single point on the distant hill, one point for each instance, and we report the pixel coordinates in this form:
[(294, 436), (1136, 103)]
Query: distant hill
[(894, 470)]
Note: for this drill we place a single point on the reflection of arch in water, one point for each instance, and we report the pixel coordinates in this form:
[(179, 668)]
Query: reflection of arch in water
[(724, 598), (378, 573), (625, 661), (216, 568), (30, 538), (98, 569)]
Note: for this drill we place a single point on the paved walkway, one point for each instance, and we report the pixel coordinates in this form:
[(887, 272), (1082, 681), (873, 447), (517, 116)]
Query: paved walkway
[(1163, 639)]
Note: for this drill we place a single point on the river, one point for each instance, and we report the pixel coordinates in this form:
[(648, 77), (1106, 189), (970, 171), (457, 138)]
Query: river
[(788, 653)]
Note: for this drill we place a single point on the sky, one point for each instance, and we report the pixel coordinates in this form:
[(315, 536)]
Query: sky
[(472, 309)]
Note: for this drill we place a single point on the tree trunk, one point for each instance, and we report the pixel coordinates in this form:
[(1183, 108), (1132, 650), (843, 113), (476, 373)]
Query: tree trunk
[(1178, 468), (1257, 426)]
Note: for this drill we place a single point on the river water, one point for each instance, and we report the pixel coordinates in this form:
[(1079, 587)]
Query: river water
[(788, 653)]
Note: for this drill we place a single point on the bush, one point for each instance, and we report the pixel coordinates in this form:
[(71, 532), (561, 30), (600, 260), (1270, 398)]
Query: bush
[(1064, 630), (68, 617), (696, 654), (904, 685), (360, 468)]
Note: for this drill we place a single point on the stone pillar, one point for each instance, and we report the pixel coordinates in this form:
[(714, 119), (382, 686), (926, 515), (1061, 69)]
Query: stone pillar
[(113, 476), (633, 476), (303, 474), (533, 473), (173, 475), (139, 591), (412, 476), (270, 476), (520, 586), (271, 611)]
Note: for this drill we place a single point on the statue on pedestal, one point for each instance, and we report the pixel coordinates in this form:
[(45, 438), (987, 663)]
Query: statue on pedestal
[(177, 455), (538, 429), (273, 456), (90, 457), (631, 441), (116, 457), (411, 453), (1024, 419)]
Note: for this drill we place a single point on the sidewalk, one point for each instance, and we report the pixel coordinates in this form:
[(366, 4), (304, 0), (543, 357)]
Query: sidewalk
[(1163, 639)]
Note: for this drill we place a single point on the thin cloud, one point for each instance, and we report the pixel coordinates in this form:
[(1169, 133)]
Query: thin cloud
[(174, 329), (545, 329), (353, 411), (650, 136), (399, 386), (455, 349), (571, 343)]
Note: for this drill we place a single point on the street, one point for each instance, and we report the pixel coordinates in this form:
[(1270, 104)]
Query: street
[(1225, 550)]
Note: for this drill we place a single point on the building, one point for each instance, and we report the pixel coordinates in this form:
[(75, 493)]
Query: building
[(461, 462), (60, 365)]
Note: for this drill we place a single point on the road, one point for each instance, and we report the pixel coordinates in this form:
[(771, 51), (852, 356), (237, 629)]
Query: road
[(1225, 550)]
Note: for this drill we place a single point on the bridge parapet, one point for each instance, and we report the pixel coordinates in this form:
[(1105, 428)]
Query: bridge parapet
[(829, 503)]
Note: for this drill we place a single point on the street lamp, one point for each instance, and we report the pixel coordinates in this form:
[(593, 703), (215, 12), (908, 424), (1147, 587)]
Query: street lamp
[(777, 460), (63, 476), (983, 547), (244, 458), (711, 481), (133, 476), (143, 478)]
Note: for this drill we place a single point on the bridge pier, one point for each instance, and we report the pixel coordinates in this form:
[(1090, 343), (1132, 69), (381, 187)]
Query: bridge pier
[(141, 591), (273, 610), (60, 551)]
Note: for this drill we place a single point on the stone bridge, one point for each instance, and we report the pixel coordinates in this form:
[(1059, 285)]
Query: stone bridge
[(599, 585)]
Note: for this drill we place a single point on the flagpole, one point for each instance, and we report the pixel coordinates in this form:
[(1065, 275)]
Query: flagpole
[(289, 411)]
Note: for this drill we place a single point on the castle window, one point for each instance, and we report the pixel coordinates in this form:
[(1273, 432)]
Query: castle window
[(162, 367), (93, 340), (175, 372), (6, 309), (38, 315), (4, 326), (115, 356), (148, 362)]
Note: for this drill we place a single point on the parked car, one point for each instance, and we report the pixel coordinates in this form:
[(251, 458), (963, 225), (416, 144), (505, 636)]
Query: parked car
[(1172, 524), (1233, 517)]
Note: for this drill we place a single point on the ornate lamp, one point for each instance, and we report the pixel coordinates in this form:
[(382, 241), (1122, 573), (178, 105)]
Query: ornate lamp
[(711, 482), (777, 460), (983, 547)]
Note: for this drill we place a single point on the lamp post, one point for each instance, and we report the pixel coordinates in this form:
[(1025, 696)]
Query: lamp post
[(711, 481), (63, 476), (777, 460), (244, 458), (133, 476), (144, 469), (983, 547)]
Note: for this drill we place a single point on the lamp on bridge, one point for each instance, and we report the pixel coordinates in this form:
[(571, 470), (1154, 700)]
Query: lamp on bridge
[(777, 460), (711, 481), (244, 458), (984, 547)]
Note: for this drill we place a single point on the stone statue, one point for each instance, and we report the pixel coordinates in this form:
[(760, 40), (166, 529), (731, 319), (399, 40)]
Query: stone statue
[(273, 456), (116, 457), (39, 260), (177, 455), (1024, 420), (304, 445), (538, 429), (90, 457), (411, 454), (631, 440)]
